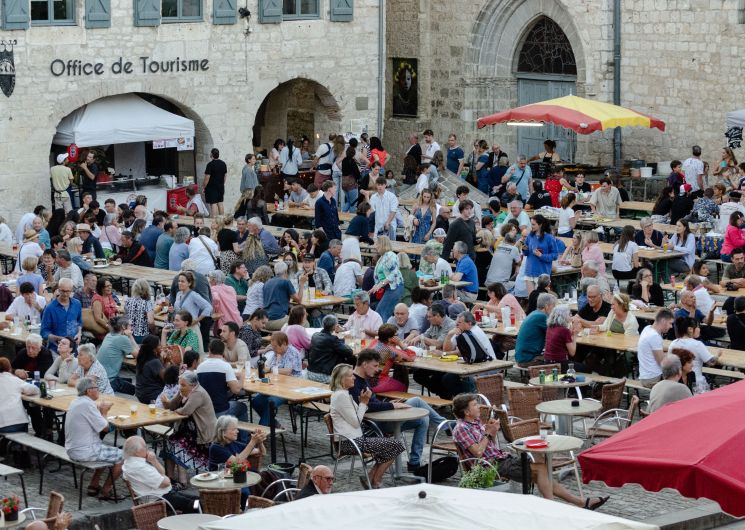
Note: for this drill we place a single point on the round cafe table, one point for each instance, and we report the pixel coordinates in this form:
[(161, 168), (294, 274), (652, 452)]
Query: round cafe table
[(589, 379), (11, 524), (396, 417), (556, 444), (187, 521), (564, 411), (221, 483)]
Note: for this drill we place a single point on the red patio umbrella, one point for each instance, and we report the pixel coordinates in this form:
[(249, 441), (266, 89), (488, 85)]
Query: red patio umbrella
[(694, 446)]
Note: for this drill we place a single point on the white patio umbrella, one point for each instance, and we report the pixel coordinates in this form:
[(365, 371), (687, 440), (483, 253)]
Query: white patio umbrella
[(425, 507)]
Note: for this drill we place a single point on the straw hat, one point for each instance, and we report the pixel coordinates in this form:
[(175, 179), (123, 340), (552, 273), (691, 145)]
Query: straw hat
[(82, 227), (30, 234)]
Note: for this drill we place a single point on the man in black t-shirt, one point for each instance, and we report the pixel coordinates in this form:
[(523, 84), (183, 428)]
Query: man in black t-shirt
[(88, 176), (595, 310), (214, 184), (538, 198)]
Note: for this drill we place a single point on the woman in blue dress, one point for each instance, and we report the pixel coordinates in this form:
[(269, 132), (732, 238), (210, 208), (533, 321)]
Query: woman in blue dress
[(424, 218)]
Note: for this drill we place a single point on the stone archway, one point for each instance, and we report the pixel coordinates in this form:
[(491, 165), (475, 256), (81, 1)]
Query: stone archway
[(295, 108), (491, 62)]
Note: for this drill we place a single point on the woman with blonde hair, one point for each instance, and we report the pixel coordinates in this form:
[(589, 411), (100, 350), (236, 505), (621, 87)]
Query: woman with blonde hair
[(75, 248), (68, 230), (425, 215), (573, 253), (254, 254), (484, 254), (620, 319), (592, 251)]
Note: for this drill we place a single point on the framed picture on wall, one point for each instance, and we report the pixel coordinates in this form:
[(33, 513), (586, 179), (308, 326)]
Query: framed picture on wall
[(405, 94)]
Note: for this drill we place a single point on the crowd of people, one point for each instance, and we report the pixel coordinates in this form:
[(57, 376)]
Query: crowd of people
[(237, 295)]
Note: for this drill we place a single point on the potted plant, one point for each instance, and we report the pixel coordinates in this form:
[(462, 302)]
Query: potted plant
[(484, 477), (10, 507), (240, 469)]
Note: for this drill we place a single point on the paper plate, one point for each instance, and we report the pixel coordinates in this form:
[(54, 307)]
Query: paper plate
[(536, 443)]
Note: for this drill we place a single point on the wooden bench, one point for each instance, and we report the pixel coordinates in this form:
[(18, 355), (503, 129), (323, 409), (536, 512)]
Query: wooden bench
[(732, 374), (8, 471), (430, 400), (50, 449)]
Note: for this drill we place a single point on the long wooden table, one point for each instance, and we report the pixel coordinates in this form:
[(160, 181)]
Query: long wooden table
[(637, 206), (293, 389), (459, 367), (306, 212), (120, 415), (323, 301), (129, 272)]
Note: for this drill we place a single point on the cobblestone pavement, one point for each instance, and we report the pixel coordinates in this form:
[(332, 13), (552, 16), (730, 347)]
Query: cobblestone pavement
[(630, 501)]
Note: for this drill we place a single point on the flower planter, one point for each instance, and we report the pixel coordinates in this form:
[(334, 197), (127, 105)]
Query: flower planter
[(11, 516)]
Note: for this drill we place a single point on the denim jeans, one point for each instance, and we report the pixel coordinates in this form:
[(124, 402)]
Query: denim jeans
[(120, 384), (349, 198), (390, 298), (260, 403), (420, 428), (240, 411)]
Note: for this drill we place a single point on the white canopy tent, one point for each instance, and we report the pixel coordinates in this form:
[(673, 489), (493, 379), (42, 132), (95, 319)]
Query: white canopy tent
[(736, 119), (121, 119), (442, 507)]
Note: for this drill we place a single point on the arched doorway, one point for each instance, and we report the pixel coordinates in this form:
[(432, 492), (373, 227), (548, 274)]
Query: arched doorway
[(296, 108), (156, 152), (545, 68)]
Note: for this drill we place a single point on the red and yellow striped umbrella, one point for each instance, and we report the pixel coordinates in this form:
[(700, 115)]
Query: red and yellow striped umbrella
[(573, 112)]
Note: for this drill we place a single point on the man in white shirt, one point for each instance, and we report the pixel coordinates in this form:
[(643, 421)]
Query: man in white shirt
[(461, 192), (364, 322), (348, 277), (26, 222), (27, 305), (202, 251), (704, 301), (517, 212), (606, 200), (693, 168), (736, 204), (313, 195), (430, 146), (298, 196), (650, 349), (467, 322), (385, 206), (323, 160), (146, 476)]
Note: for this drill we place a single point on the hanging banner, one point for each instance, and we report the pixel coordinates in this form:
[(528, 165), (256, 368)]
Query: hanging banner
[(185, 144)]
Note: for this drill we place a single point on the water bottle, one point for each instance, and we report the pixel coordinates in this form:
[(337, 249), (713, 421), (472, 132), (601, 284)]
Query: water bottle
[(542, 376), (555, 374), (570, 370), (286, 202), (260, 366), (506, 316), (37, 376), (442, 278)]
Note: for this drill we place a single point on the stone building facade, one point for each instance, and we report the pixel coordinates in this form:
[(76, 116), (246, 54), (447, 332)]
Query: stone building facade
[(679, 62), (241, 62)]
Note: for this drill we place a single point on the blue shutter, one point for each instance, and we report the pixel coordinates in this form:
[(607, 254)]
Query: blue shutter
[(270, 11), (147, 12), (97, 13), (341, 10), (223, 12), (15, 14)]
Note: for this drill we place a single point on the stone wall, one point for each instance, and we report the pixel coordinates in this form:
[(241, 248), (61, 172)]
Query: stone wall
[(223, 100), (680, 59)]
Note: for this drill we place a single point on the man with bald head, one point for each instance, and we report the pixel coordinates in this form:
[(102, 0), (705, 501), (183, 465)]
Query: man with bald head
[(320, 483), (407, 326), (63, 522), (595, 310)]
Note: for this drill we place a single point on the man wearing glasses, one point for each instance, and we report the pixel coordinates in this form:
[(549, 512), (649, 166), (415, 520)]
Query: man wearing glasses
[(63, 316), (320, 483)]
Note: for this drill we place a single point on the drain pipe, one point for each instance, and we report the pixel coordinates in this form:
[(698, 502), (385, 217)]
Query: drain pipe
[(381, 65), (617, 162)]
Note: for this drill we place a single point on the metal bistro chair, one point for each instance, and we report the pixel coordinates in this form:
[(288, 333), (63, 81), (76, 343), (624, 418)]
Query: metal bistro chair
[(610, 398), (144, 499), (337, 440), (288, 488), (442, 447), (612, 421), (146, 516)]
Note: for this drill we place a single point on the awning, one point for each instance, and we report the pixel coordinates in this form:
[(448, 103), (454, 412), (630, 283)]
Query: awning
[(121, 119)]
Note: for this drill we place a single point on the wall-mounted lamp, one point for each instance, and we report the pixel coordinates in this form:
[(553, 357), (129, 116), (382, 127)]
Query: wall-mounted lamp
[(245, 14)]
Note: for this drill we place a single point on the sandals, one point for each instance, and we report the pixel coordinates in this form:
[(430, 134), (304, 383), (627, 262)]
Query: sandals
[(598, 504), (93, 491), (107, 496)]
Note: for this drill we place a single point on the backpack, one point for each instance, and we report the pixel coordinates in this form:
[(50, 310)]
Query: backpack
[(470, 349), (442, 469)]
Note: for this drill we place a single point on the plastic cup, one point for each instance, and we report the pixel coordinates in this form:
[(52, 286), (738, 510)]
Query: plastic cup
[(312, 292), (151, 408), (133, 410)]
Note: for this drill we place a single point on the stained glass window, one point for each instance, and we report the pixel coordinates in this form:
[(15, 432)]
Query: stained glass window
[(547, 50)]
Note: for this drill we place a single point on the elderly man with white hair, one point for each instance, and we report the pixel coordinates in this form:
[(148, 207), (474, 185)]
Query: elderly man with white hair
[(278, 292), (84, 423), (517, 212), (30, 360), (147, 477), (256, 228), (364, 322), (590, 269), (63, 316), (320, 483), (406, 325), (669, 389), (90, 368), (203, 252)]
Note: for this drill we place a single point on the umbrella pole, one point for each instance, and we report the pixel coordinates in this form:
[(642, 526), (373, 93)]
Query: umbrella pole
[(617, 80)]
